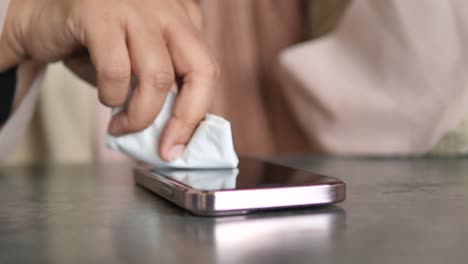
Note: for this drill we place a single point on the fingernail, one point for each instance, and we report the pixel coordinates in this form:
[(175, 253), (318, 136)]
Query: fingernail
[(114, 126), (175, 152), (117, 125)]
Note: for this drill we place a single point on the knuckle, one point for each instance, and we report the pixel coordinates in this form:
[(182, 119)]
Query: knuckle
[(217, 70), (104, 100), (212, 70), (137, 124), (188, 122), (111, 99), (161, 80), (114, 73)]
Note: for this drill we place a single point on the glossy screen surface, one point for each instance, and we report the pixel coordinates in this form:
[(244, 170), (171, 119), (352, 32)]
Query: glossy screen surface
[(251, 174)]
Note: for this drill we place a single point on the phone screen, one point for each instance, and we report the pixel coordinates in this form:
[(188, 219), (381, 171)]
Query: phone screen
[(251, 174)]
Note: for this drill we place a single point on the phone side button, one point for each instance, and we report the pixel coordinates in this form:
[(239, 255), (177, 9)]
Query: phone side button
[(167, 191)]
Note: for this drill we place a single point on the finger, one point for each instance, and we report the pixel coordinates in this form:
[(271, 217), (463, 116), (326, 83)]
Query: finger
[(193, 11), (11, 52), (108, 51), (82, 67), (153, 68), (193, 62)]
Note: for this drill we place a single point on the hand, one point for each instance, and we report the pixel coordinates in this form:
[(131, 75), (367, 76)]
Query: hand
[(107, 41)]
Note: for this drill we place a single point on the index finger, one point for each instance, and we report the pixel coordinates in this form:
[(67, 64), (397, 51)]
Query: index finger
[(194, 63), (152, 66)]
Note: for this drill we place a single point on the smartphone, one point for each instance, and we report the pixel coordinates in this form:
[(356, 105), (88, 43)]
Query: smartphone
[(255, 185)]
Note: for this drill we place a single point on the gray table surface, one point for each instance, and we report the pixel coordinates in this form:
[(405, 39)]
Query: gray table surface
[(396, 211)]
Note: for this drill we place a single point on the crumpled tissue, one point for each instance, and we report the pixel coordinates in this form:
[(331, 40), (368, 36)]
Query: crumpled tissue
[(211, 145)]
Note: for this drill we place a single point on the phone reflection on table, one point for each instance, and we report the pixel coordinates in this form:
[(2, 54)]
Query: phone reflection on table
[(262, 237), (294, 232), (209, 180)]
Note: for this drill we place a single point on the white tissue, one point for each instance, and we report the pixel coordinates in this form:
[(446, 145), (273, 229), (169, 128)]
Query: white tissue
[(210, 147)]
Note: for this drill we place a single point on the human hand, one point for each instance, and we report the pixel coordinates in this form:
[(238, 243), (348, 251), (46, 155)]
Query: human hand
[(108, 41)]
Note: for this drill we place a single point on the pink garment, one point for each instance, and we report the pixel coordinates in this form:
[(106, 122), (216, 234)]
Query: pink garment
[(246, 36)]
